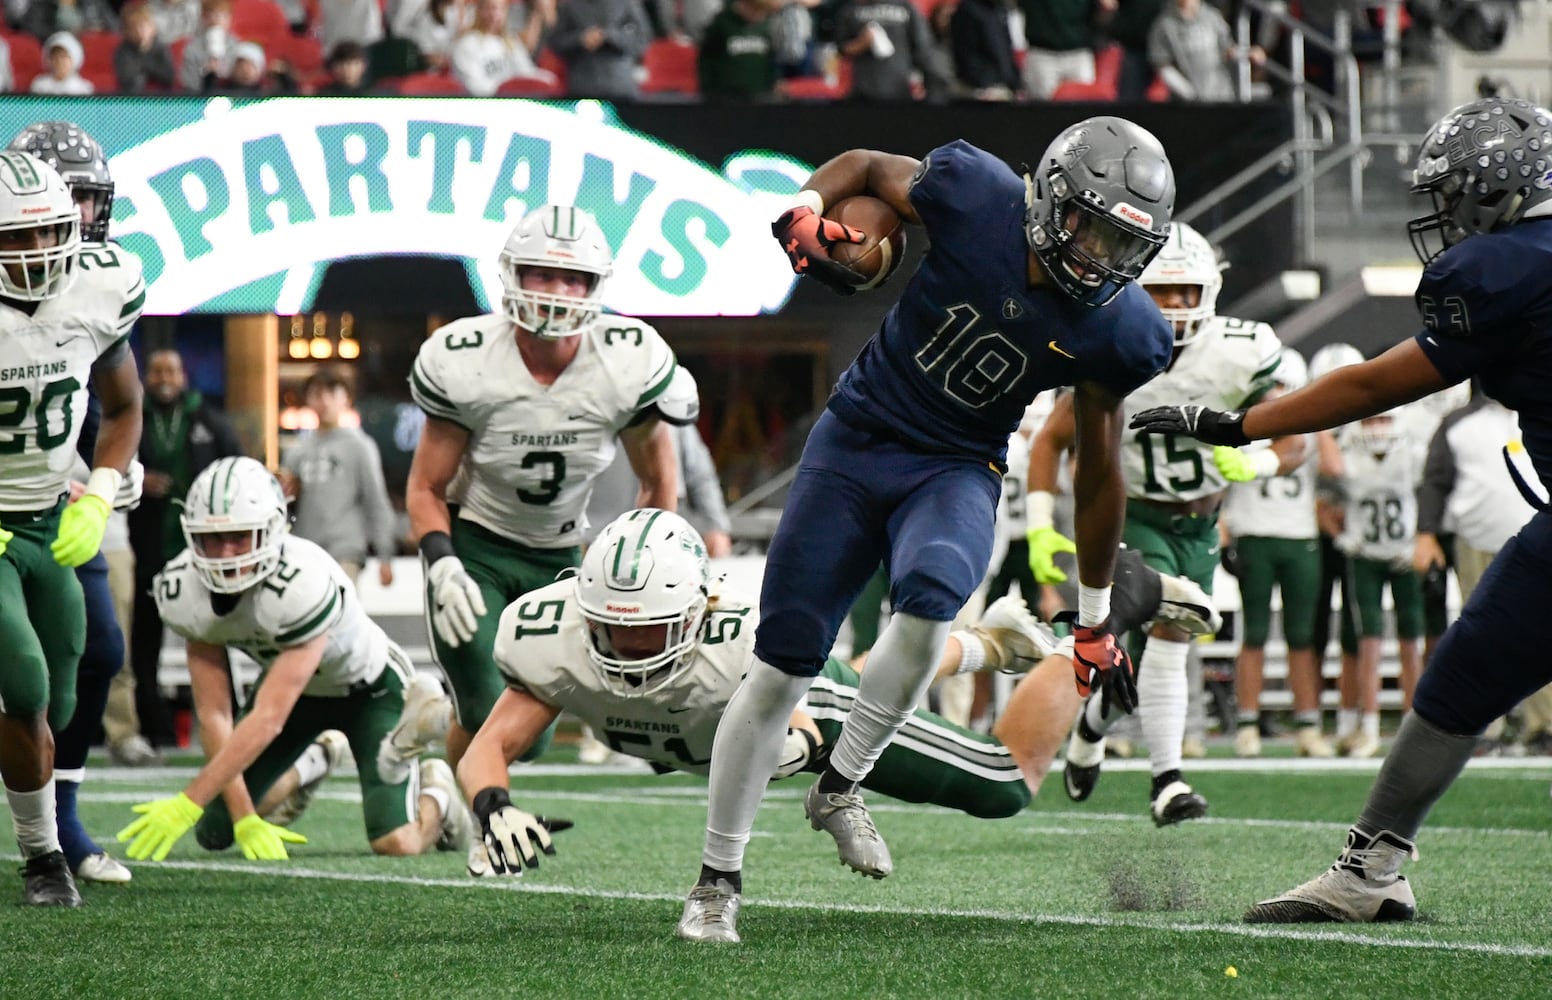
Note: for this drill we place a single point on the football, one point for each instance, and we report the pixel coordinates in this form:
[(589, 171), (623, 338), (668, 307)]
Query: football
[(877, 256)]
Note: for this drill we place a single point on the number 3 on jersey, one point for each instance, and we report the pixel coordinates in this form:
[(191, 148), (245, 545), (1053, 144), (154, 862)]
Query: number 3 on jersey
[(974, 369)]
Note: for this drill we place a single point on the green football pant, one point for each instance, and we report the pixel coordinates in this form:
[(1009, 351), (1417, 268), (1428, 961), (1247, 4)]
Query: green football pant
[(365, 717), (1367, 579), (1177, 544), (1293, 566), (504, 571), (930, 759), (42, 622)]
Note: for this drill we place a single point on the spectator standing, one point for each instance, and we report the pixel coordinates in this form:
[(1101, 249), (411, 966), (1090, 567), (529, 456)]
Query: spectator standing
[(886, 40), (487, 55), (601, 42), (737, 61), (983, 53), (209, 51), (1128, 23), (1190, 45), (182, 435), (1061, 44), (62, 53), (142, 58), (336, 475)]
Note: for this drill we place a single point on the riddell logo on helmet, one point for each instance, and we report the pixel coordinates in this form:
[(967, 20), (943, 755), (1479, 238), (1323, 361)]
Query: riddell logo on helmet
[(1131, 214), (624, 609)]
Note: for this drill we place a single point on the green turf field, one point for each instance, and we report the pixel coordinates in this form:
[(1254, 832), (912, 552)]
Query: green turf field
[(1062, 901)]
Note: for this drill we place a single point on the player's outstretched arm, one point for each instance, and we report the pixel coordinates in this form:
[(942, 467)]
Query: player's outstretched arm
[(1099, 492), (513, 838), (84, 522), (650, 448), (1046, 449)]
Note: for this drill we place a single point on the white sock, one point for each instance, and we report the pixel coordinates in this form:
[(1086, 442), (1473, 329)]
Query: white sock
[(1371, 725), (744, 754), (1161, 701), (312, 764), (74, 775), (900, 667), (439, 796), (1346, 722), (32, 816), (972, 652)]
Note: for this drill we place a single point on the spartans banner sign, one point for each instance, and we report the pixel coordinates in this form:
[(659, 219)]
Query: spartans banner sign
[(241, 206)]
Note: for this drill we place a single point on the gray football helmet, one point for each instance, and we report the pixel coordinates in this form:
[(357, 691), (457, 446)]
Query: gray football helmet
[(79, 158), (1486, 165), (1097, 207)]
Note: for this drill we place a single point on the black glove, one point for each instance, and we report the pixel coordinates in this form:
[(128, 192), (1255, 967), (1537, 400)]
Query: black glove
[(807, 239), (1229, 559), (1099, 660), (1207, 426)]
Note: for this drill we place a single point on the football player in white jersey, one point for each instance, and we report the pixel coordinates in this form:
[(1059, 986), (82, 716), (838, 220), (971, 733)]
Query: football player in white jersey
[(64, 320), (1274, 541), (82, 163), (523, 411), (245, 583), (1174, 488)]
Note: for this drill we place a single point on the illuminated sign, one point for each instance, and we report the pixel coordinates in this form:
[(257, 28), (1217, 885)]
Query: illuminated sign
[(241, 206)]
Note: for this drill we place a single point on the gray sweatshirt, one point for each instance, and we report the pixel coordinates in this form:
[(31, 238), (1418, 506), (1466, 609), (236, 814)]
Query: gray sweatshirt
[(344, 504)]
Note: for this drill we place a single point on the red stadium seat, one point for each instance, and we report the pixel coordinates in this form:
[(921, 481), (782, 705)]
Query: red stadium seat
[(260, 21), (97, 47), (1158, 90), (554, 63), (810, 88), (531, 87), (1107, 79), (670, 68), (103, 79), (176, 51), (304, 55), (26, 59), (428, 84)]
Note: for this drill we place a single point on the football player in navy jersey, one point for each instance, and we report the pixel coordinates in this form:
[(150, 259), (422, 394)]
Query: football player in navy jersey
[(1486, 304), (1027, 285)]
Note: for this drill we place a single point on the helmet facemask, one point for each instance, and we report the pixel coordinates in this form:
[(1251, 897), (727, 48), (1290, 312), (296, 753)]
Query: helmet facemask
[(1379, 433), (100, 197), (546, 315), (1448, 194), (235, 500), (235, 573), (1189, 263), (556, 238), (1089, 253), (45, 272), (634, 676)]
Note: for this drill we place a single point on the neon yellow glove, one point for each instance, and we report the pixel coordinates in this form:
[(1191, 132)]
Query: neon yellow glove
[(1239, 466), (81, 528), (5, 539), (160, 825), (1044, 544), (262, 840)]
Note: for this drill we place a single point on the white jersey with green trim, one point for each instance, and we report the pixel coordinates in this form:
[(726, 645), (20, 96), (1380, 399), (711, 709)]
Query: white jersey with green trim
[(535, 450), (46, 366), (306, 596), (542, 648), (1230, 363), (1380, 513), (1276, 506)]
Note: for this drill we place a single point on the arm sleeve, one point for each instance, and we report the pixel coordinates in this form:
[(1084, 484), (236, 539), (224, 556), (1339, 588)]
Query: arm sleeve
[(1433, 493), (702, 488), (374, 495)]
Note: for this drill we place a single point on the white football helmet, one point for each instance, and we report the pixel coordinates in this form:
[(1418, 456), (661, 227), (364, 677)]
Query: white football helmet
[(1381, 432), (235, 495), (1331, 357), (647, 567), (1187, 259), (33, 197), (562, 237), (1292, 373)]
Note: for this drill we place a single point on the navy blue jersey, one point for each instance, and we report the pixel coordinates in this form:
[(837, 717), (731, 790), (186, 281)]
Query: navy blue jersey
[(1487, 311), (970, 343)]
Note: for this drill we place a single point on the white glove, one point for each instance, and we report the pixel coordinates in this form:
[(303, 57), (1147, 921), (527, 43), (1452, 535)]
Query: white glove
[(513, 840), (458, 603), (796, 753), (130, 487)]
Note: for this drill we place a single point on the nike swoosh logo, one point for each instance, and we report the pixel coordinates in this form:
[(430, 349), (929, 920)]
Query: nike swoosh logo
[(1058, 350), (676, 711), (62, 343)]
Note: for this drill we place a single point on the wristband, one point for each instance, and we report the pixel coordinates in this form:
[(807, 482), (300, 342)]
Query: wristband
[(435, 546), (1264, 462), (103, 483), (490, 800), (808, 198), (1039, 507), (1093, 605)]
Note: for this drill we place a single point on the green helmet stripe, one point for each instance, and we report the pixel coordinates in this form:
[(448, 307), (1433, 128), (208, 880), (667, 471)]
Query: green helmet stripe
[(635, 559)]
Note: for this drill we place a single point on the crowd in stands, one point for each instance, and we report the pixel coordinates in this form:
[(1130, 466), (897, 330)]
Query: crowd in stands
[(744, 50)]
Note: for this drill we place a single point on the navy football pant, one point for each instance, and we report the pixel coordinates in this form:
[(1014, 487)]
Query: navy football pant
[(100, 660), (1497, 652), (859, 500)]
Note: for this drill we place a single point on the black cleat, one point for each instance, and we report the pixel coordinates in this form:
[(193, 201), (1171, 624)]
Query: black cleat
[(48, 881), (1085, 754)]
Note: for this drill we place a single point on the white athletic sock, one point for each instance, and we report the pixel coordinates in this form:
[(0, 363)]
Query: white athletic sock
[(1161, 701), (32, 816), (312, 764), (75, 775), (972, 652), (1371, 725), (744, 755), (900, 667), (1346, 722)]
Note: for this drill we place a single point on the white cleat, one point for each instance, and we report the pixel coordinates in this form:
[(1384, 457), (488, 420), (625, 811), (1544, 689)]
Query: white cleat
[(1358, 745), (710, 914), (1308, 742), (845, 818), (335, 749), (423, 724), (1247, 741), (458, 822), (1364, 886), (1014, 639), (1187, 606), (102, 869)]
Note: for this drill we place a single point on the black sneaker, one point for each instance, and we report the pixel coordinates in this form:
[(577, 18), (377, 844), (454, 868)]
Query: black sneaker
[(48, 881)]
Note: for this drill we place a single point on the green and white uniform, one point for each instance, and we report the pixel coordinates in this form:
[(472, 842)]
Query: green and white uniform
[(542, 649), (358, 687), (1273, 523), (1227, 366), (45, 367), (1379, 530), (534, 453)]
